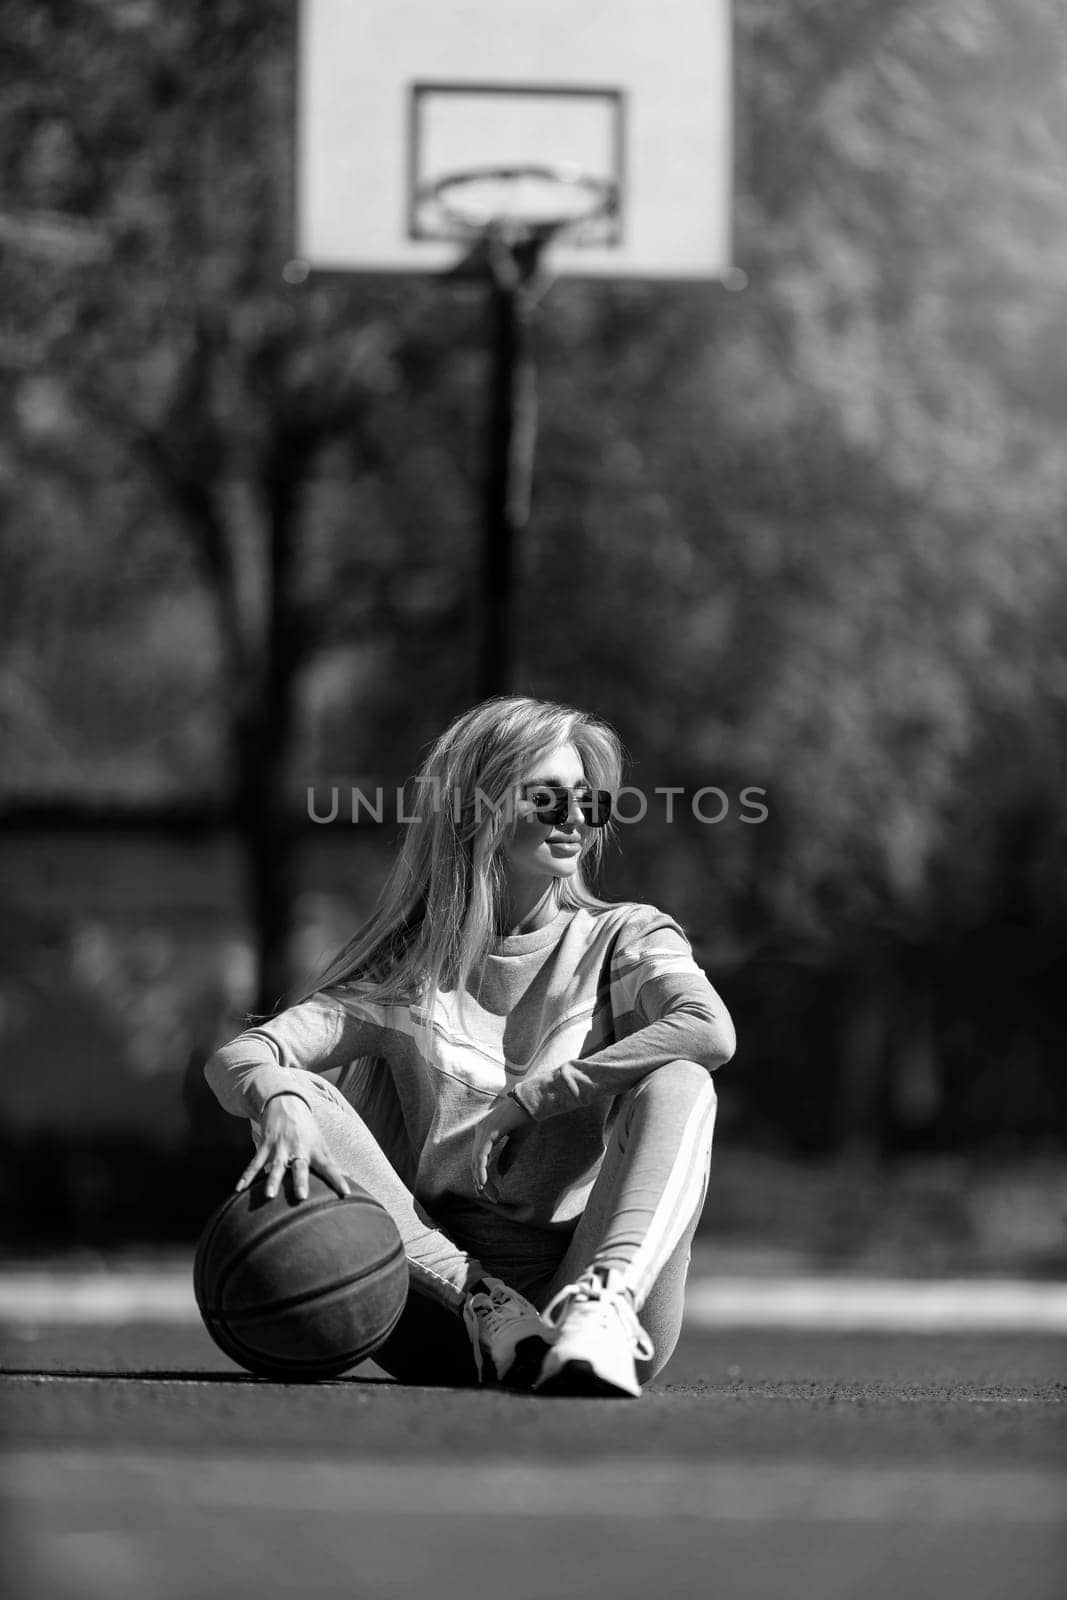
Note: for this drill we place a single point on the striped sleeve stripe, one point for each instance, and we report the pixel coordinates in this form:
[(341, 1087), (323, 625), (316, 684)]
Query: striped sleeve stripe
[(627, 985)]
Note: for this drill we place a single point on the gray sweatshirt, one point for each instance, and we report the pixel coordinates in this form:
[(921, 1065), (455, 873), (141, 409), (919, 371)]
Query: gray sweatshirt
[(569, 1016)]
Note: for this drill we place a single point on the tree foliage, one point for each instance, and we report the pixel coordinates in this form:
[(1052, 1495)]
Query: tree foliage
[(807, 537)]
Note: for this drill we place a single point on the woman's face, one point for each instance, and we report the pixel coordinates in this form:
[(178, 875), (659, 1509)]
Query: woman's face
[(536, 852)]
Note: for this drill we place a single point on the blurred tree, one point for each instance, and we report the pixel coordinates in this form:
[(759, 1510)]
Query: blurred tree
[(163, 373), (807, 538), (830, 512)]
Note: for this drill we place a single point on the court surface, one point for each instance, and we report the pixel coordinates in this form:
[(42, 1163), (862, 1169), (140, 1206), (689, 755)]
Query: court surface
[(139, 1462)]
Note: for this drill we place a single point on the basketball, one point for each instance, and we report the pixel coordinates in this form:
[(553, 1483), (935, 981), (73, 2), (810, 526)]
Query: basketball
[(298, 1290)]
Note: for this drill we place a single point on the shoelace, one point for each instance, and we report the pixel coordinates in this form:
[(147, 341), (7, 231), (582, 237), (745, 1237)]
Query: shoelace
[(489, 1310), (592, 1293)]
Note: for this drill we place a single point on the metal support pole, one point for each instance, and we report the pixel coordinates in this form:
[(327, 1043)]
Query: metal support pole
[(512, 429)]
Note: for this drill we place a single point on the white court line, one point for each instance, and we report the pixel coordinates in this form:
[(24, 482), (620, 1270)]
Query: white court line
[(97, 1297), (882, 1305), (722, 1490), (858, 1304)]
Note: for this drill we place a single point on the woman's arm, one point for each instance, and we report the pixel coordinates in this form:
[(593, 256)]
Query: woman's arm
[(664, 1010), (320, 1034)]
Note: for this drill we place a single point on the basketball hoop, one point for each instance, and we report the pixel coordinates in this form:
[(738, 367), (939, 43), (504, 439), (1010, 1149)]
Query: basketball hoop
[(519, 209)]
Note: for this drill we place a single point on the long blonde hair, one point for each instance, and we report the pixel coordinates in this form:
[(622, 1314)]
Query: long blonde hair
[(436, 916)]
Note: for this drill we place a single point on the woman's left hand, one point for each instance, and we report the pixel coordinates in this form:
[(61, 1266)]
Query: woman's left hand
[(503, 1118)]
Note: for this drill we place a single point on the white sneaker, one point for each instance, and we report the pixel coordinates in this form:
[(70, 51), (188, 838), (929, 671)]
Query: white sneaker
[(598, 1342), (504, 1326)]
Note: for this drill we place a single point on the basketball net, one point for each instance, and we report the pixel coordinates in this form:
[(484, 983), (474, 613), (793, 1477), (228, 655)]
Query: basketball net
[(510, 214)]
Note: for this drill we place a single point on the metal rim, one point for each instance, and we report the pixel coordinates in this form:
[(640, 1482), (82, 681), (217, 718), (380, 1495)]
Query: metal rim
[(597, 198)]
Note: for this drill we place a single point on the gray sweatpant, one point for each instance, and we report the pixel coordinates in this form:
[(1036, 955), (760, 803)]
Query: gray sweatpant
[(641, 1215)]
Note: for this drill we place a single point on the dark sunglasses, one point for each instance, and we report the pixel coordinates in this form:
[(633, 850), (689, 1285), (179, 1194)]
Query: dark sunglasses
[(552, 805)]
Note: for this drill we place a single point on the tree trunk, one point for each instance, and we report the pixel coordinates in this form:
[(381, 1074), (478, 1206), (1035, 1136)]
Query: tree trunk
[(266, 819)]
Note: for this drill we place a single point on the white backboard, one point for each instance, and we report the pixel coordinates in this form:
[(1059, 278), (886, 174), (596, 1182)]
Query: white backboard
[(393, 94)]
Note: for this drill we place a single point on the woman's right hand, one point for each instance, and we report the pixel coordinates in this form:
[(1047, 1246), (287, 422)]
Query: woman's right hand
[(290, 1137)]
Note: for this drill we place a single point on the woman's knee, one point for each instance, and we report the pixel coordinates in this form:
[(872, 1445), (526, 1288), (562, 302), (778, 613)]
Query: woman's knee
[(687, 1079)]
